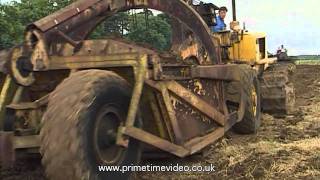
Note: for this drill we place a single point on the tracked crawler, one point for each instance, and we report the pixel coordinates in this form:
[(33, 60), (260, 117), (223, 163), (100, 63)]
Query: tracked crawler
[(277, 89)]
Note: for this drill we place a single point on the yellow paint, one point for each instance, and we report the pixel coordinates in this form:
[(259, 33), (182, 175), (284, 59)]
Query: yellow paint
[(7, 92), (4, 92), (190, 51), (247, 50)]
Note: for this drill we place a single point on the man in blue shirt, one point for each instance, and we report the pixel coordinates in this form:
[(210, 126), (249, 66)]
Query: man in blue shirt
[(220, 20)]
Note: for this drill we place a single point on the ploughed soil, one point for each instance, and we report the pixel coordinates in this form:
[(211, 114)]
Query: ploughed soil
[(284, 148)]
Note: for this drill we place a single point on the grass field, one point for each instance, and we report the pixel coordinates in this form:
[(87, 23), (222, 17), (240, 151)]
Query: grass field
[(307, 62)]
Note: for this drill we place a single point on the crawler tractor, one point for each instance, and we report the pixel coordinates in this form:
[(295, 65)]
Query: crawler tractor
[(83, 103), (239, 46)]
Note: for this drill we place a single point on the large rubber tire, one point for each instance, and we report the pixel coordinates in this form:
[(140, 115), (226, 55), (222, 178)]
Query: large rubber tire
[(70, 122), (252, 116)]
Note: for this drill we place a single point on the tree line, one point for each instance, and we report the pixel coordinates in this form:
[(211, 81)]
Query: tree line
[(141, 26)]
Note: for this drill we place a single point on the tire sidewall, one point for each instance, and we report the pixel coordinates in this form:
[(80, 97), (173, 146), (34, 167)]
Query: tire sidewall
[(256, 116), (119, 97), (251, 120)]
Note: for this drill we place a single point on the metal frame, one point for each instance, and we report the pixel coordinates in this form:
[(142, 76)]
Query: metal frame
[(144, 74), (73, 27)]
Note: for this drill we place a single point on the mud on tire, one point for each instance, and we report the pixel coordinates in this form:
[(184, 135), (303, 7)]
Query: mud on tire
[(73, 143), (250, 84)]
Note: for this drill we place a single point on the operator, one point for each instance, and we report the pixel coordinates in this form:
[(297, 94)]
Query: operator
[(220, 20)]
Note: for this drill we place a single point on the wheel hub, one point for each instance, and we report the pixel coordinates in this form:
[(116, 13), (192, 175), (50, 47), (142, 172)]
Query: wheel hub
[(105, 136)]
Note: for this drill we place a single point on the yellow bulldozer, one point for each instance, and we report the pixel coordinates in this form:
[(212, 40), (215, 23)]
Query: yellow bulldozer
[(82, 103)]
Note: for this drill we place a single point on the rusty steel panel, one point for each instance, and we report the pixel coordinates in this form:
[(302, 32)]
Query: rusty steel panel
[(21, 142), (156, 141), (196, 102), (82, 62), (199, 143), (184, 112), (155, 122), (62, 15), (69, 19), (172, 114), (189, 116), (217, 72), (99, 47), (165, 116)]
